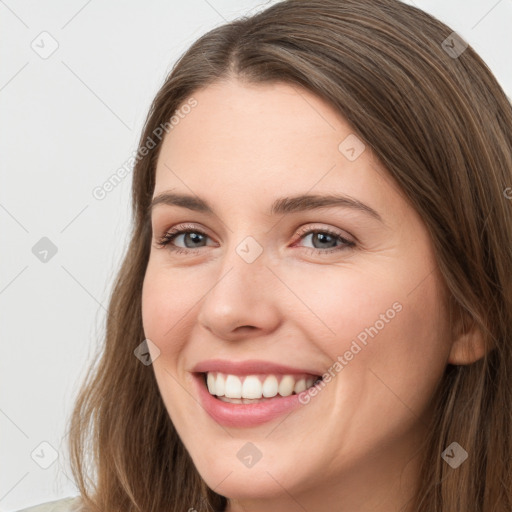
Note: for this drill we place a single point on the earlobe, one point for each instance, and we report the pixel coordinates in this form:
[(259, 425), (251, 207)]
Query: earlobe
[(468, 345)]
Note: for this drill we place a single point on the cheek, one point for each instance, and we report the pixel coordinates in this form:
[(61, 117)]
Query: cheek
[(167, 308), (385, 335), (167, 316), (346, 304), (397, 356)]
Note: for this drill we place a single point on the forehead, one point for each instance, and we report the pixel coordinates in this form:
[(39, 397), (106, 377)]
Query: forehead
[(262, 141), (259, 116)]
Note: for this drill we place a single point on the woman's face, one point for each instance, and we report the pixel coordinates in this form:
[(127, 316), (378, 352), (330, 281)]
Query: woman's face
[(299, 259)]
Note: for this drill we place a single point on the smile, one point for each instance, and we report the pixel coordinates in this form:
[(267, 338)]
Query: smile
[(256, 388), (243, 394)]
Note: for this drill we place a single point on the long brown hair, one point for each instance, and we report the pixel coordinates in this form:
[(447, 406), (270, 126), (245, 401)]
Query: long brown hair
[(442, 126)]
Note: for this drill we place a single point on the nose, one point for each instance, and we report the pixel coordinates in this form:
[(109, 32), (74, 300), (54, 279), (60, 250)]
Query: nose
[(242, 301)]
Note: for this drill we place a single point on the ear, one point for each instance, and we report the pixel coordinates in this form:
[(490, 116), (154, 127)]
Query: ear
[(468, 344)]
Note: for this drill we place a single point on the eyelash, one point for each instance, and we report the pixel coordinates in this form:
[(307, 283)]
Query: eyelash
[(168, 237)]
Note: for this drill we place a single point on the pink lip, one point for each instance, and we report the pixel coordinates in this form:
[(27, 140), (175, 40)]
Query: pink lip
[(249, 368), (244, 415)]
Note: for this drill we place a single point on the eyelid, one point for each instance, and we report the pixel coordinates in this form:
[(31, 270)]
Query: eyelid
[(315, 227), (179, 229), (298, 232), (171, 234)]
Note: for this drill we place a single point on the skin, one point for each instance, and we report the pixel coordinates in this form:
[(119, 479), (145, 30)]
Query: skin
[(354, 446)]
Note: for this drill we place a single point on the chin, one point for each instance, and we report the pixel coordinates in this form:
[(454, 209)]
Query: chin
[(228, 476), (245, 484)]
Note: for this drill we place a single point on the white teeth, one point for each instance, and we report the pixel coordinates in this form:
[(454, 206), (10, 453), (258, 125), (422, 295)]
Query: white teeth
[(286, 385), (300, 385), (270, 386), (220, 385), (233, 387), (255, 387), (251, 387), (210, 381), (242, 400)]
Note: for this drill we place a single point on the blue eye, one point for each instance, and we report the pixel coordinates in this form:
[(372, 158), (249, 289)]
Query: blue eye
[(196, 237), (325, 236)]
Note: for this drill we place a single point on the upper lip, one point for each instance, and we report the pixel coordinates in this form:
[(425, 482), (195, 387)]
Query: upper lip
[(249, 367)]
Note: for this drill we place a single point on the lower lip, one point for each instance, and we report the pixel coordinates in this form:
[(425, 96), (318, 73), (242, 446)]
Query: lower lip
[(244, 415)]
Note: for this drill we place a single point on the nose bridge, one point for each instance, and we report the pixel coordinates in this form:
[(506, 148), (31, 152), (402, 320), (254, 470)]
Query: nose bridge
[(240, 296), (243, 268)]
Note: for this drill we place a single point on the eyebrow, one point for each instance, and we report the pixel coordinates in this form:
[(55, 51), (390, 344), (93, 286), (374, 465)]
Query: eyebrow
[(283, 205)]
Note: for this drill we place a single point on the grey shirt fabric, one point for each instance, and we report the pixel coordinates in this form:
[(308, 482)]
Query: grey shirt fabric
[(71, 504)]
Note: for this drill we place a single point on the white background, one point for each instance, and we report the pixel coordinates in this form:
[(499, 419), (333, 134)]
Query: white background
[(67, 123)]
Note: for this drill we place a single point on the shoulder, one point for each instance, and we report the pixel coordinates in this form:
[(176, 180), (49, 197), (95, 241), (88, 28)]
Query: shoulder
[(62, 505)]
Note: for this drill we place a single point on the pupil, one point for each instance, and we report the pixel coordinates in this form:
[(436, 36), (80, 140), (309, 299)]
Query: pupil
[(323, 236), (195, 237)]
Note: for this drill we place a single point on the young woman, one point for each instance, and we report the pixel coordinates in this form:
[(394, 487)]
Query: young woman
[(315, 309)]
